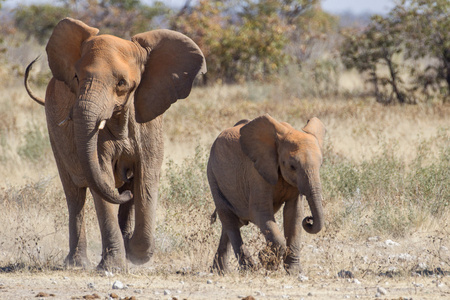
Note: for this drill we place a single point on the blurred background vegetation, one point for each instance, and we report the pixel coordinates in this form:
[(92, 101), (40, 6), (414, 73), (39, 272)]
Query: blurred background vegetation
[(403, 56)]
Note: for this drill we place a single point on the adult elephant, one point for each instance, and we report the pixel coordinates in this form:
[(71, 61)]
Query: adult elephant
[(104, 109), (254, 168)]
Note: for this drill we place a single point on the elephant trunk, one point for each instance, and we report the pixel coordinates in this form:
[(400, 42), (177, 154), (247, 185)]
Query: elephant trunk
[(87, 118), (314, 223)]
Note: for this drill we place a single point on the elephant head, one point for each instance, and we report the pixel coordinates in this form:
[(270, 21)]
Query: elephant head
[(107, 74), (277, 149)]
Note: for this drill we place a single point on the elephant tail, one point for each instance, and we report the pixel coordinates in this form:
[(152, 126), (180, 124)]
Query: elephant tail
[(214, 216), (27, 86)]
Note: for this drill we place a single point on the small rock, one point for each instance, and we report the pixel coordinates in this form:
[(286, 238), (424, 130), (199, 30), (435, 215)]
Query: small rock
[(109, 274), (248, 298), (422, 266), (285, 296), (90, 285), (405, 257), (91, 297), (309, 294), (259, 293), (302, 278), (138, 291), (377, 295), (166, 292), (287, 286), (356, 281), (373, 239), (43, 295), (347, 297), (114, 295), (391, 243), (419, 285), (54, 282), (117, 285), (345, 274), (209, 281), (382, 290), (65, 278)]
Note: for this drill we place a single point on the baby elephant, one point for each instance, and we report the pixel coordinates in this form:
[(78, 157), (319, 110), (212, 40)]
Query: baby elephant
[(254, 168)]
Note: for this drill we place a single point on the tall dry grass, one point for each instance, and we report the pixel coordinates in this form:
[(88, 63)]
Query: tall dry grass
[(386, 174)]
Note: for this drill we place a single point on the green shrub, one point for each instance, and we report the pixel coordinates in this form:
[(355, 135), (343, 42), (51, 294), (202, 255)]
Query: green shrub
[(429, 183), (186, 184), (36, 144), (384, 195)]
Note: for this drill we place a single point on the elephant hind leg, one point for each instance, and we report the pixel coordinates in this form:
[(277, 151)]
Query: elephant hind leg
[(231, 228), (220, 263)]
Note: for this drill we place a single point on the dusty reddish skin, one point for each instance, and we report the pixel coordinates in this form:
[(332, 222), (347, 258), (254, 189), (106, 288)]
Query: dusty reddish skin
[(129, 84), (254, 168)]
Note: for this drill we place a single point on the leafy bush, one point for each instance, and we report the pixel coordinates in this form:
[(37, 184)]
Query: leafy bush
[(239, 42), (383, 195), (187, 202), (413, 37), (39, 20), (36, 144), (187, 184)]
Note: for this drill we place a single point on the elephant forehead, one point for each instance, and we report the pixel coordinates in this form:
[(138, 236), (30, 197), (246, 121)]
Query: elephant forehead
[(107, 49), (108, 44), (107, 54), (296, 140), (301, 145)]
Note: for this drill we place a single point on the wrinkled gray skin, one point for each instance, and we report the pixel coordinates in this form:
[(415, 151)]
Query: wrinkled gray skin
[(254, 168), (104, 109)]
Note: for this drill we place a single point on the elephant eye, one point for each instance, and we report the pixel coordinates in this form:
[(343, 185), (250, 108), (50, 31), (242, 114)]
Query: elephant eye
[(76, 77), (293, 168), (121, 82)]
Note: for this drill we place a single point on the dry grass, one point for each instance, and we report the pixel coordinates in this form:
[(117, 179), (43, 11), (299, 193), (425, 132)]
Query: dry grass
[(385, 177)]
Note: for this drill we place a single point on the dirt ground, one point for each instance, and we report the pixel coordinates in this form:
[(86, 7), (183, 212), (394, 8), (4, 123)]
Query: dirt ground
[(414, 267), (79, 285)]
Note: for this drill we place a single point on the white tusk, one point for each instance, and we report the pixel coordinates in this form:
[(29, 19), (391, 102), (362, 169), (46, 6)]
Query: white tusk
[(102, 125)]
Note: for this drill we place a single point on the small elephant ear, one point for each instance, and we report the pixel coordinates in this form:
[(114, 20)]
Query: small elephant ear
[(317, 129), (173, 63), (259, 142), (64, 48)]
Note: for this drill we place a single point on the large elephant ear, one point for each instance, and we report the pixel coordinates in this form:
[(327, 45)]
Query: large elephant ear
[(259, 142), (64, 48), (317, 129), (173, 63)]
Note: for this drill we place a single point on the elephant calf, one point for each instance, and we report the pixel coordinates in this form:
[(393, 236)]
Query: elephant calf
[(254, 168)]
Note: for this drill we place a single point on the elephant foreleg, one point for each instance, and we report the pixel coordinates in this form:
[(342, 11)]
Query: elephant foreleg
[(76, 198), (270, 257), (263, 217), (126, 216), (113, 249), (292, 215)]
